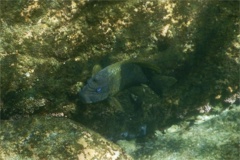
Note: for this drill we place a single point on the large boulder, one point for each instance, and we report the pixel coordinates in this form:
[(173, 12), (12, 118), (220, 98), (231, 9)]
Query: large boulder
[(45, 137)]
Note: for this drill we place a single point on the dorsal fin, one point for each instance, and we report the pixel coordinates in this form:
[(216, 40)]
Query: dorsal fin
[(96, 69), (147, 65)]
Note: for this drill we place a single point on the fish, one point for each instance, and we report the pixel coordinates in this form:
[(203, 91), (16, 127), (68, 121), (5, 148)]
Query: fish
[(112, 79), (118, 76)]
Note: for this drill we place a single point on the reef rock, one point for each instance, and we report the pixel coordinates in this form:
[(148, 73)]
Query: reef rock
[(45, 137)]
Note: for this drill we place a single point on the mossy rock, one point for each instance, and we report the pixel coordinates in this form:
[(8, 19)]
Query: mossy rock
[(45, 137)]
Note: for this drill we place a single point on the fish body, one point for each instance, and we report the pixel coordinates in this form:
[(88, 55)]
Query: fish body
[(111, 80)]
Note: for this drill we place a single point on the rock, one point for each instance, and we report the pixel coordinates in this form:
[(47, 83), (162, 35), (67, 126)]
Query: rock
[(215, 138), (45, 137)]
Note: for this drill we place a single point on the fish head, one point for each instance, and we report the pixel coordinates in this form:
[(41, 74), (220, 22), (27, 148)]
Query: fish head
[(96, 89)]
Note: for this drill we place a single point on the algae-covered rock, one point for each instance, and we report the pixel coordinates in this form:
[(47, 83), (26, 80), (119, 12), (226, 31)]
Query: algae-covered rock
[(216, 137), (54, 138), (48, 49)]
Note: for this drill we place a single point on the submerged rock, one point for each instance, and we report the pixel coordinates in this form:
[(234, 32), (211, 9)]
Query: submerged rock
[(215, 137), (54, 138)]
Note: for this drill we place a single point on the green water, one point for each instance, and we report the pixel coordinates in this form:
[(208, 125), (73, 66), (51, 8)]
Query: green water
[(47, 54)]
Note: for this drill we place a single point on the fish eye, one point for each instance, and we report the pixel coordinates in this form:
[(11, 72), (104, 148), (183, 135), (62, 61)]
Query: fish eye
[(99, 90)]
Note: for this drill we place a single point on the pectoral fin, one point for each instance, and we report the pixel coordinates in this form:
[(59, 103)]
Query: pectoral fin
[(115, 104)]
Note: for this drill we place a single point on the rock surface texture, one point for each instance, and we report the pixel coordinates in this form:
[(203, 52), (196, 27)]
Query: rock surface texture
[(54, 138)]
